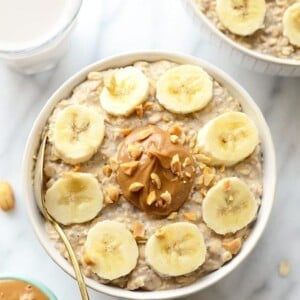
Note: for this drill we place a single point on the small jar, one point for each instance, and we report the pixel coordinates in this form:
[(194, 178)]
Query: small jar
[(30, 284), (37, 53)]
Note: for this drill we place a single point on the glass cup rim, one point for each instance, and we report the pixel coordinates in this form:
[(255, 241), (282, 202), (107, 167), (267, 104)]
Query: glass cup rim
[(53, 37)]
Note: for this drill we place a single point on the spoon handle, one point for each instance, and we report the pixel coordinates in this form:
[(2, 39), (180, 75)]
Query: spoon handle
[(38, 190), (78, 274)]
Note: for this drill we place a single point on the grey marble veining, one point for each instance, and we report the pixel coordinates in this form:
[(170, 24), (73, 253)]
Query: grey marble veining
[(108, 27)]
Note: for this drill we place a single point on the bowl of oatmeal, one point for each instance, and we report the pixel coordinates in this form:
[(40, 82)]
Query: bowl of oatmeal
[(161, 170), (260, 35)]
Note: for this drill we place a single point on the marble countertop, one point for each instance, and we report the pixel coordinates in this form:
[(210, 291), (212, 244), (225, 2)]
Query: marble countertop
[(109, 27)]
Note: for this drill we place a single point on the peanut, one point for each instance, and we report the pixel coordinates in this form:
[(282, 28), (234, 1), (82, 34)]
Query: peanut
[(135, 187), (155, 180), (190, 216), (134, 151), (233, 246), (129, 167), (7, 200), (107, 170), (151, 198)]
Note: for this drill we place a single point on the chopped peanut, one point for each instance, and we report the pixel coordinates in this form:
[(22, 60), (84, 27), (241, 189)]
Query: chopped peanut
[(208, 178), (167, 197), (187, 162), (188, 174), (166, 118), (175, 164), (172, 215), (190, 216), (202, 165), (139, 111), (203, 191), (192, 142), (113, 163), (144, 134), (203, 158), (126, 131), (107, 170), (113, 193), (138, 230), (155, 180), (208, 170), (174, 138), (129, 167), (176, 130), (134, 151), (135, 187), (233, 246), (196, 150), (201, 179), (151, 198), (76, 168)]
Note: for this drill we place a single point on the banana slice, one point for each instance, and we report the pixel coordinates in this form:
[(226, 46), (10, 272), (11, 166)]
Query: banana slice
[(242, 17), (123, 91), (176, 249), (184, 89), (228, 139), (78, 133), (74, 198), (110, 250), (229, 206), (291, 21)]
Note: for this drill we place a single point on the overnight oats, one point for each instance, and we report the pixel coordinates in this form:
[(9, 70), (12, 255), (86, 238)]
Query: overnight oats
[(269, 27), (155, 173)]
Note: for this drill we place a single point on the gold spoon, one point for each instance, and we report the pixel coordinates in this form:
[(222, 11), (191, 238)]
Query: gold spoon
[(40, 199)]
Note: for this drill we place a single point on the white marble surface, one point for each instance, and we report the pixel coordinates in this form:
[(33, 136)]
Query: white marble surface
[(113, 26)]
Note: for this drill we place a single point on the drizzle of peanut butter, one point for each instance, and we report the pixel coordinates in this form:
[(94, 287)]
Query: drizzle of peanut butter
[(162, 179), (17, 289)]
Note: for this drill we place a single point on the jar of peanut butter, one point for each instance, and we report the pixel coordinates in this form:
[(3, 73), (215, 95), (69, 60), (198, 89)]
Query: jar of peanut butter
[(23, 288)]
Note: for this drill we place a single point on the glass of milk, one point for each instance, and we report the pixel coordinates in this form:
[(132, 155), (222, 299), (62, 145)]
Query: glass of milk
[(34, 34)]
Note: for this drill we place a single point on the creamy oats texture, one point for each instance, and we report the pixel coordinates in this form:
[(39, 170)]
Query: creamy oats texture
[(268, 27), (155, 172)]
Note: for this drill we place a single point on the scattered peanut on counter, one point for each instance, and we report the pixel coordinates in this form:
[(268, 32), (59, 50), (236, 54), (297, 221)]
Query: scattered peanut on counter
[(284, 268), (7, 200)]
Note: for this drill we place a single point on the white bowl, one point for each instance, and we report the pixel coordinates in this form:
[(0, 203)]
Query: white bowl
[(241, 55), (269, 171)]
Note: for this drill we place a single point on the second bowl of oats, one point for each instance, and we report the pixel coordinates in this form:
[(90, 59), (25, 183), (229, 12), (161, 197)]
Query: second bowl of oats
[(261, 35)]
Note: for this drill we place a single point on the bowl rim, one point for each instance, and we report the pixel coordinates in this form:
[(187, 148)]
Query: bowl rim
[(122, 60), (38, 284), (252, 53)]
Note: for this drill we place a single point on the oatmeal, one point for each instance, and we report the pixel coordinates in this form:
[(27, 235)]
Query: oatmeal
[(117, 201), (272, 38)]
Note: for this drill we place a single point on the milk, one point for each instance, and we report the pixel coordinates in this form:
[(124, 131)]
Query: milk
[(39, 25)]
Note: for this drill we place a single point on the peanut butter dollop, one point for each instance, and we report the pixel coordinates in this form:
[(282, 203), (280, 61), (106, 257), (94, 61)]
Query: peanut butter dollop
[(155, 174), (17, 289)]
